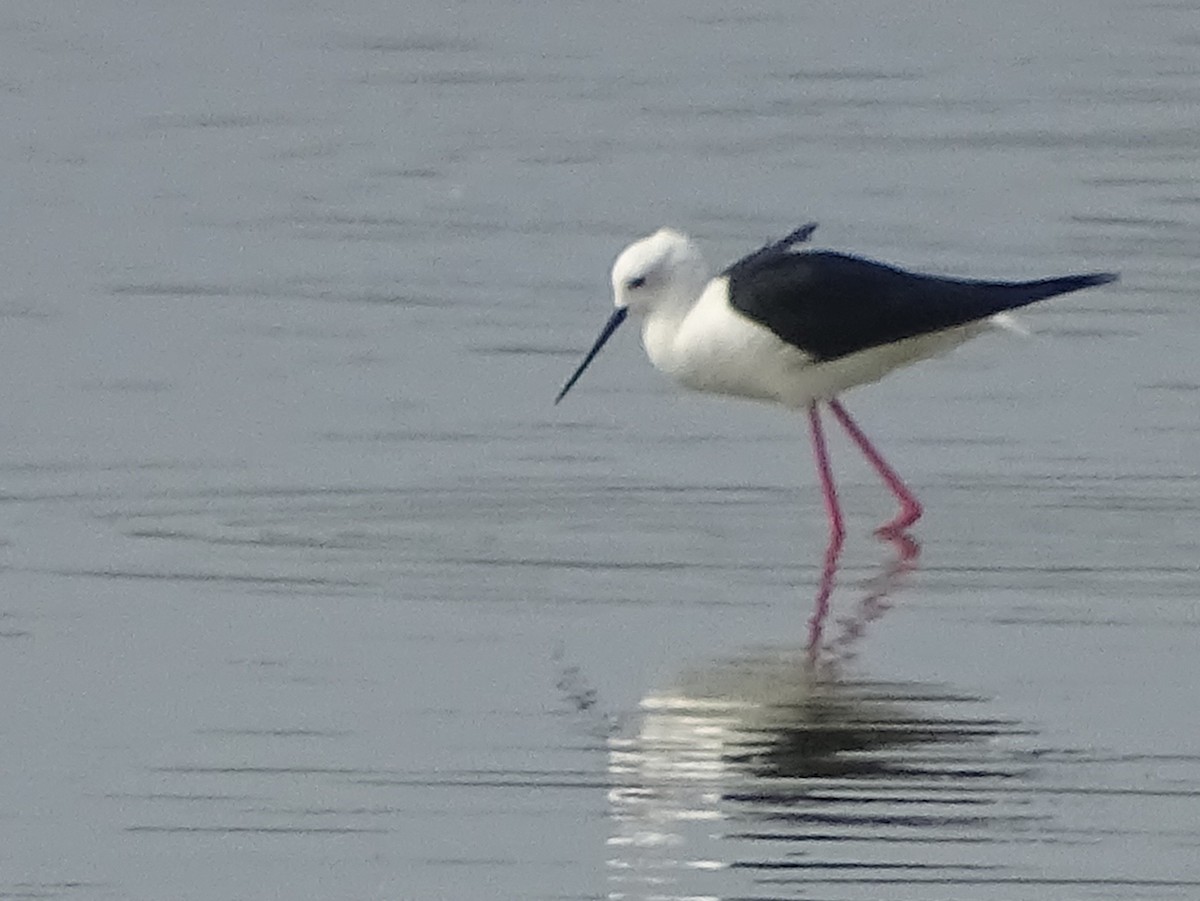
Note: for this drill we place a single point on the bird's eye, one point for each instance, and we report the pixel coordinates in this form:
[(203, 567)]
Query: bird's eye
[(636, 282)]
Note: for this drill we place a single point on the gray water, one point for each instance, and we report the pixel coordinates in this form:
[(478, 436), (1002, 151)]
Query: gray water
[(308, 591)]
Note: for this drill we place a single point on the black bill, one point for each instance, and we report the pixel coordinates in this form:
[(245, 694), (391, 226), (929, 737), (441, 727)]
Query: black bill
[(614, 320)]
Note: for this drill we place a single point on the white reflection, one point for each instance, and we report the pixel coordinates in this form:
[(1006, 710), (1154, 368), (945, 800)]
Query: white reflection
[(768, 763)]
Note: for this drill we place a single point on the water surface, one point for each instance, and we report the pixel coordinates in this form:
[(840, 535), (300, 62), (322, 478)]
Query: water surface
[(308, 591)]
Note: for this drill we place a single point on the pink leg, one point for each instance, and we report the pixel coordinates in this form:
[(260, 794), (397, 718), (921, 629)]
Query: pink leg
[(837, 530), (910, 507)]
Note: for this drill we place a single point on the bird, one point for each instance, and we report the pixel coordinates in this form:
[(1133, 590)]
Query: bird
[(798, 327)]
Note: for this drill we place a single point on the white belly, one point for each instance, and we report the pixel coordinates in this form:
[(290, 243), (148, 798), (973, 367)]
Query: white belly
[(718, 350), (823, 381)]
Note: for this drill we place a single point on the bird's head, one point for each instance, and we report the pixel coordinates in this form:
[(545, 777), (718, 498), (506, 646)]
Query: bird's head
[(662, 269)]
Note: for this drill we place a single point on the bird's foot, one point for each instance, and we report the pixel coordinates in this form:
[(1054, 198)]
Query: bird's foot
[(907, 548), (909, 513)]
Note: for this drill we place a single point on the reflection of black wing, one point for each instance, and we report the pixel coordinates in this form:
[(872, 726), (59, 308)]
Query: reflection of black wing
[(830, 305)]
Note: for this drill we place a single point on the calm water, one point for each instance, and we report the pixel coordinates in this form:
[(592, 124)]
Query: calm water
[(307, 591)]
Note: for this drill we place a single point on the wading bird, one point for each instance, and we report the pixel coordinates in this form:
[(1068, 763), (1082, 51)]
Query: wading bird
[(799, 327)]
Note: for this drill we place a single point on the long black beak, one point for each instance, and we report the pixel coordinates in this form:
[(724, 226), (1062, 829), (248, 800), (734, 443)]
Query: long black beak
[(614, 320)]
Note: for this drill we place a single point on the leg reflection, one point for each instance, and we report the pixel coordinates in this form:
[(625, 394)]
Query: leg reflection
[(870, 607), (816, 623)]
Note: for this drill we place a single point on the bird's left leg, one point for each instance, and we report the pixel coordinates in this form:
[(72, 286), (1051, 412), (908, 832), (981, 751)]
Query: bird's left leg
[(910, 507)]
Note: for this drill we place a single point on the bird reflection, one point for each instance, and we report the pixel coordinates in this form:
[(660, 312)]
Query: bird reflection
[(765, 767), (778, 772)]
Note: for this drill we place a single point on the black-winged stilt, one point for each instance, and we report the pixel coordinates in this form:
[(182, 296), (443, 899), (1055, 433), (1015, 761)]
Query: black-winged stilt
[(799, 327)]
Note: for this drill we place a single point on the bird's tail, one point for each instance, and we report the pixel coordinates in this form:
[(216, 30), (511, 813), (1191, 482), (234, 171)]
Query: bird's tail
[(995, 298), (1031, 292), (1004, 296)]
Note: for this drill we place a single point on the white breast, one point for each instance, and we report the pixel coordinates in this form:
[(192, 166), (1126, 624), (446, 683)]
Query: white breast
[(717, 349)]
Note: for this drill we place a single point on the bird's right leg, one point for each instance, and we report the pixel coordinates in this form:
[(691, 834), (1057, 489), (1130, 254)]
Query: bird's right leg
[(837, 529)]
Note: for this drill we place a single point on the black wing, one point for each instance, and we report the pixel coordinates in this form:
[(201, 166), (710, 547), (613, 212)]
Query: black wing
[(830, 304)]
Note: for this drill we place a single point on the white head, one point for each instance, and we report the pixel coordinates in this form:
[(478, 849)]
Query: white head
[(661, 270)]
